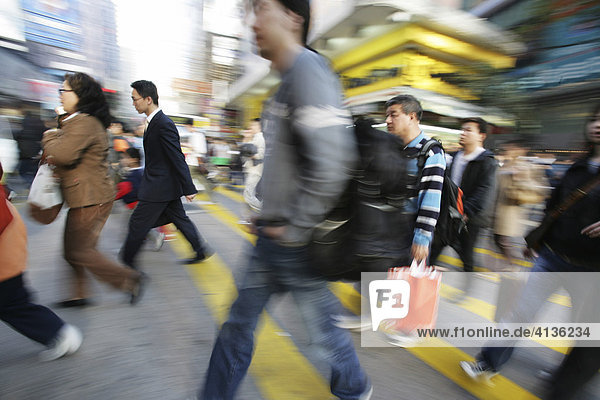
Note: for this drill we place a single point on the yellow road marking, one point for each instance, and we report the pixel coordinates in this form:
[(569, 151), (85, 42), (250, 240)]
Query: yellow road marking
[(487, 311), (226, 216), (229, 193), (239, 198), (523, 263), (445, 359), (555, 298), (281, 371), (346, 293)]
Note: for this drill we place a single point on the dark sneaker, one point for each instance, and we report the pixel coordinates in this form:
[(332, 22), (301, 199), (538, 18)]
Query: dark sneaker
[(207, 252), (138, 289), (70, 303)]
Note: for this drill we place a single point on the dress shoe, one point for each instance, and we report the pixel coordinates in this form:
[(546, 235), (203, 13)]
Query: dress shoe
[(137, 291), (206, 253), (69, 303)]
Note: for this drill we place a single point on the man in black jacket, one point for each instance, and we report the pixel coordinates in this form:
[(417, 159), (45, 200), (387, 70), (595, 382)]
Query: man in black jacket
[(29, 146), (166, 178), (473, 169)]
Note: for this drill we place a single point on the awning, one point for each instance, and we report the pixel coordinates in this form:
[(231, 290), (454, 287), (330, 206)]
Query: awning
[(433, 102)]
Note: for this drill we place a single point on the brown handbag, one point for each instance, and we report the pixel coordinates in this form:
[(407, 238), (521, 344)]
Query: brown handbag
[(535, 238)]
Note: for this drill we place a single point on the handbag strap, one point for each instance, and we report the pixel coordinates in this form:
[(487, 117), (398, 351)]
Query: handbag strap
[(574, 197)]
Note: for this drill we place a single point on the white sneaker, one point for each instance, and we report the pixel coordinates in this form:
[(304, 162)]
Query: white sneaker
[(67, 341), (367, 395), (478, 369), (159, 241), (400, 339), (351, 322)]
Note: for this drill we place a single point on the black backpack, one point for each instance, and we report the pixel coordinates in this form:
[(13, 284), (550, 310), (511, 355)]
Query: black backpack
[(331, 243), (451, 220)]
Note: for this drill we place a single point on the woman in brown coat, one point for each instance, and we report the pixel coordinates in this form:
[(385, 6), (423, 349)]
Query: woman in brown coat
[(79, 151)]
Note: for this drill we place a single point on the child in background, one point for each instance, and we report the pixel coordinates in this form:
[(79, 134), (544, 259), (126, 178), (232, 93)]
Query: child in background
[(127, 190)]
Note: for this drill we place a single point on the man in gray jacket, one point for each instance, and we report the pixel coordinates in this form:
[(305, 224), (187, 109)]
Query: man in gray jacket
[(308, 159)]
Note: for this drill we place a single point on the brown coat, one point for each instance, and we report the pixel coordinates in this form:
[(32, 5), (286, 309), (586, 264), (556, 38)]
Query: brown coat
[(528, 182), (13, 246), (80, 151)]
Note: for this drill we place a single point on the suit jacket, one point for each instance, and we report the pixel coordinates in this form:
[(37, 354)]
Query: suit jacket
[(166, 174), (80, 151)]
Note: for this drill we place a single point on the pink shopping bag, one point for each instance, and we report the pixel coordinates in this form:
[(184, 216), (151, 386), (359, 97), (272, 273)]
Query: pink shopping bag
[(425, 283)]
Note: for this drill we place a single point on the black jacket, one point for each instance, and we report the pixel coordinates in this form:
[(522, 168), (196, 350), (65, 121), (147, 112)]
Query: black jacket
[(29, 139), (479, 188), (565, 236), (166, 174)]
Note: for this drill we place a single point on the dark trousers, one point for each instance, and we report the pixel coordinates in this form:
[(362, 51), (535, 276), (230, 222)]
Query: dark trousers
[(507, 247), (27, 169), (579, 367), (465, 247), (31, 320), (148, 215)]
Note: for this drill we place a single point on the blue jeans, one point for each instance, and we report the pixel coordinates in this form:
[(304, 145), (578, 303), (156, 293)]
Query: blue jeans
[(535, 293), (274, 268)]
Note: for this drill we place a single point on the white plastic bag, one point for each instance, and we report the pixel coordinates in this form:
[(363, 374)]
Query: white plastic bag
[(45, 189)]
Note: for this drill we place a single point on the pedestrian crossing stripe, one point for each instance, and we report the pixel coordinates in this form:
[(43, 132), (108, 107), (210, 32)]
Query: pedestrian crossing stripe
[(443, 359), (229, 193), (240, 199), (231, 220), (281, 371), (523, 263), (555, 298)]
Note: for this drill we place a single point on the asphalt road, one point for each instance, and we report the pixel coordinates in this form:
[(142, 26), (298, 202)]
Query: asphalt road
[(159, 349)]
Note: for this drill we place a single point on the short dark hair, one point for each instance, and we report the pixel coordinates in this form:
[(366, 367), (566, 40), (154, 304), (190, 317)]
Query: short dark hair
[(146, 89), (522, 143), (588, 143), (301, 8), (482, 125), (134, 153), (91, 97), (409, 104)]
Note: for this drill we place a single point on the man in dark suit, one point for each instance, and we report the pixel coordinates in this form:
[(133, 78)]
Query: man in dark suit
[(166, 178)]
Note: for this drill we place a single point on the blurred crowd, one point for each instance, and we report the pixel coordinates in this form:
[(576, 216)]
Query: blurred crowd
[(300, 167)]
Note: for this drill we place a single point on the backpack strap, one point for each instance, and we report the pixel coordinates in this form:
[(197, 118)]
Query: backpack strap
[(422, 157)]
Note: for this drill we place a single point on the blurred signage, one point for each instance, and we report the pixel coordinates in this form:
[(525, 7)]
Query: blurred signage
[(191, 86), (53, 22), (375, 75), (181, 120), (44, 92), (572, 23), (559, 73), (11, 21), (223, 17), (571, 53)]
